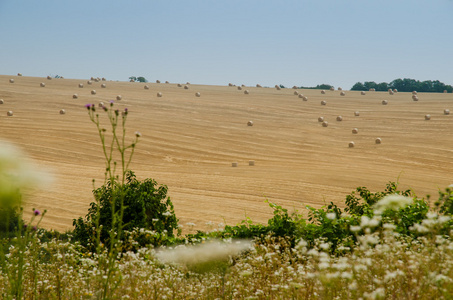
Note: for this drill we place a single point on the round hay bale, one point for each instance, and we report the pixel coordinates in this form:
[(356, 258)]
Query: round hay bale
[(378, 140), (356, 113), (239, 88), (323, 92), (101, 104), (339, 118), (427, 117), (372, 90), (97, 79), (42, 84), (385, 102), (251, 162), (19, 74), (235, 164), (11, 80), (75, 96), (305, 98), (230, 84), (197, 94), (340, 89), (186, 87), (246, 92), (62, 111), (332, 88), (179, 85), (80, 85), (294, 87), (167, 82), (414, 93), (250, 123), (446, 111), (355, 130), (395, 90), (92, 78), (157, 81), (390, 92), (103, 86), (296, 93), (187, 82), (445, 91), (362, 93), (119, 97), (93, 92), (325, 124), (342, 93), (277, 87), (415, 97), (323, 102), (90, 82), (146, 87), (9, 113), (320, 119), (351, 145), (1, 101), (132, 80), (301, 96), (103, 79), (159, 94), (258, 85), (49, 78)]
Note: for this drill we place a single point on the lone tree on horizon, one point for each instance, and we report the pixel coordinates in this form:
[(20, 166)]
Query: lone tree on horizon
[(139, 79)]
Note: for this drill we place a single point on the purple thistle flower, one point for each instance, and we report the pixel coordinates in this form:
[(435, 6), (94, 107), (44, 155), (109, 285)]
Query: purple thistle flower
[(104, 108), (111, 102), (25, 226), (34, 228), (88, 106), (117, 112), (37, 212)]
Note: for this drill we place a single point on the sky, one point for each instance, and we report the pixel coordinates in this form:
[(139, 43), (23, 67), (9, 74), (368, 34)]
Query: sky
[(302, 43)]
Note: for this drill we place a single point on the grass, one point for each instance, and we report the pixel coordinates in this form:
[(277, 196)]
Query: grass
[(382, 265)]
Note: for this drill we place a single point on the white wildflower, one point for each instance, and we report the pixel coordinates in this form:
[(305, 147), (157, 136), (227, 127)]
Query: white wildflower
[(394, 201), (389, 226), (202, 253), (331, 216), (324, 246), (431, 215), (355, 228)]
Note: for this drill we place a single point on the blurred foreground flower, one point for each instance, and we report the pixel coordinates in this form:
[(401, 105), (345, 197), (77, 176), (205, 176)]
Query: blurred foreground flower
[(203, 257), (394, 202), (15, 175)]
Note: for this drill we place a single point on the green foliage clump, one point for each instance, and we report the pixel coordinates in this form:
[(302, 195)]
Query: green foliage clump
[(340, 228), (145, 205)]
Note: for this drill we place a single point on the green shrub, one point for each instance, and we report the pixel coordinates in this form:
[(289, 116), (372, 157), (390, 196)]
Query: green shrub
[(145, 205)]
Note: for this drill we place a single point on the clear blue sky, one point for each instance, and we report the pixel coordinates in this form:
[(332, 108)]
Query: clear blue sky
[(339, 42)]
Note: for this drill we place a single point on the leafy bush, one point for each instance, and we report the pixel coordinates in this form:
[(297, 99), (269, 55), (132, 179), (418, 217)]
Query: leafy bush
[(145, 205)]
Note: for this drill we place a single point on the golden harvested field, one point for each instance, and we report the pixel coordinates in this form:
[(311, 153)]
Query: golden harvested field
[(189, 144)]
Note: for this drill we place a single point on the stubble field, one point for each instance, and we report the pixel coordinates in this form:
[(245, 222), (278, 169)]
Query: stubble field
[(189, 144)]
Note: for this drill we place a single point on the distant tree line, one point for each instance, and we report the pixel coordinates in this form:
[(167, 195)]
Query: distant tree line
[(318, 87), (405, 85)]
